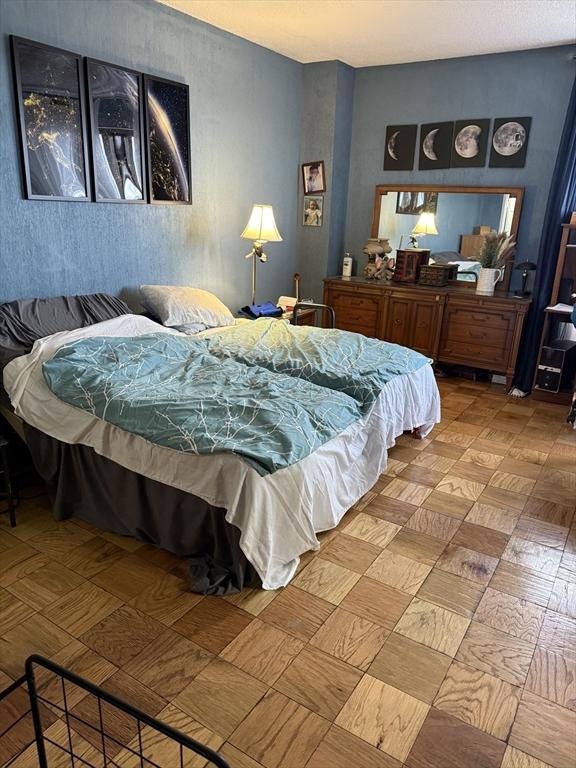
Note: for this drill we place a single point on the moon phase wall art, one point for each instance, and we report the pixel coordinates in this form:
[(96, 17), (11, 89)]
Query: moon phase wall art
[(435, 145), (52, 118), (399, 150), (117, 129), (470, 142), (458, 144), (509, 142), (168, 135)]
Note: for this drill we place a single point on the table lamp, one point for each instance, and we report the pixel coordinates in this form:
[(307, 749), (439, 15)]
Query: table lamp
[(426, 225), (261, 228)]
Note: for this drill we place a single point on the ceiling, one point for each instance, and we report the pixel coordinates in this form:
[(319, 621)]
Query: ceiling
[(366, 33)]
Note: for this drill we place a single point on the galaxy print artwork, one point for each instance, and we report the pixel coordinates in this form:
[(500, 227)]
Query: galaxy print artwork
[(50, 105), (470, 143), (509, 142), (117, 129), (435, 145), (168, 131), (399, 147)]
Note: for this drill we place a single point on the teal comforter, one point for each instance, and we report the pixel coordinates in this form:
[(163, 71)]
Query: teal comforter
[(266, 391), (337, 360), (172, 391)]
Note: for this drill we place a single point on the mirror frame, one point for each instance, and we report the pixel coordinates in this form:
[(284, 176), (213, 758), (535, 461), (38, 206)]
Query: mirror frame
[(516, 192)]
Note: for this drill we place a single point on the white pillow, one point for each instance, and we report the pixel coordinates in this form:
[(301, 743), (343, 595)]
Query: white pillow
[(180, 305)]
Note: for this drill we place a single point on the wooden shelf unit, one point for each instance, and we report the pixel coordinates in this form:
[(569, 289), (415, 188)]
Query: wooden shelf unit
[(564, 285)]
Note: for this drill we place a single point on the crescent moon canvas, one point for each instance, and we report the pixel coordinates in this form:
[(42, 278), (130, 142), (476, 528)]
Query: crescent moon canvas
[(168, 131), (470, 143), (399, 147), (435, 145), (509, 142)]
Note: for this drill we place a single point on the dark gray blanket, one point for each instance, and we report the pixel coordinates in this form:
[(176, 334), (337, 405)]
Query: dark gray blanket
[(88, 486), (25, 321)]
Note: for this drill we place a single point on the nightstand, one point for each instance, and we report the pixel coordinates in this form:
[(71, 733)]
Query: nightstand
[(7, 484)]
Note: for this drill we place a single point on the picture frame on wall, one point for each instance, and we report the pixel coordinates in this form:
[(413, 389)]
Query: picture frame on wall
[(510, 142), (51, 110), (470, 143), (313, 177), (435, 145), (116, 108), (399, 147), (312, 210), (168, 141)]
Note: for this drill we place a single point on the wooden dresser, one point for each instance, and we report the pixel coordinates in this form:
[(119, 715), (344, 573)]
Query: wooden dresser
[(450, 325)]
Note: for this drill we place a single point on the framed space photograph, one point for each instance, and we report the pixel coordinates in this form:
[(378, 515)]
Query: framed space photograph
[(313, 177), (435, 146), (117, 129), (470, 143), (49, 89), (312, 210), (168, 141), (415, 203), (509, 142), (399, 149)]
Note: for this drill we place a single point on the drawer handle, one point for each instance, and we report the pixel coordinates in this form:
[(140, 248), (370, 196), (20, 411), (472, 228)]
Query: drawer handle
[(354, 317)]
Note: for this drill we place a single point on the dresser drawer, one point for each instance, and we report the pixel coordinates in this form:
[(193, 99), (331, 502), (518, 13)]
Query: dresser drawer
[(361, 303), (473, 352), (479, 317), (357, 326), (492, 336)]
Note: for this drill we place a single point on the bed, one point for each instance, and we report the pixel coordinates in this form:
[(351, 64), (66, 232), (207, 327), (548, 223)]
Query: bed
[(237, 524)]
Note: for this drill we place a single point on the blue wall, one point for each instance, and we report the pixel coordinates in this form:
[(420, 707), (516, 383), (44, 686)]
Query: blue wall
[(534, 83), (245, 126)]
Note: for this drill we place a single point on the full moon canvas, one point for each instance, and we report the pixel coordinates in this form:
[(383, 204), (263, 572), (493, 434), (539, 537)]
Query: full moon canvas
[(509, 142), (399, 147)]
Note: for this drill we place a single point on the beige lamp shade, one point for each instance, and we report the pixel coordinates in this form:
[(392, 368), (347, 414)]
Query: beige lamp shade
[(261, 226), (426, 225)]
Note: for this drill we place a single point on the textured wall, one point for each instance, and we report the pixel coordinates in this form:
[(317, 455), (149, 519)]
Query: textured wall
[(245, 126), (535, 83), (325, 135)]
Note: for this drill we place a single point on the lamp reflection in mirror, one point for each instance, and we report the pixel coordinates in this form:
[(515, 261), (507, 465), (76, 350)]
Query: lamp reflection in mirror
[(261, 228), (426, 225)]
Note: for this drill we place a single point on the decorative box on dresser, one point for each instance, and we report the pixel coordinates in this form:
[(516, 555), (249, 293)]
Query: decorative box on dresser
[(449, 324)]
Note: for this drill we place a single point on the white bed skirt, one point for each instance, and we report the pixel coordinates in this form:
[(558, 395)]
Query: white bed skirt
[(279, 514)]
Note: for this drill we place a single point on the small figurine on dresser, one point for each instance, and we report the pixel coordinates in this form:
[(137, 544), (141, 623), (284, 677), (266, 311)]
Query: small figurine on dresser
[(379, 264)]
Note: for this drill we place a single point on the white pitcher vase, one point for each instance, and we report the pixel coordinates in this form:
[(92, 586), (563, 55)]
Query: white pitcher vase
[(487, 280)]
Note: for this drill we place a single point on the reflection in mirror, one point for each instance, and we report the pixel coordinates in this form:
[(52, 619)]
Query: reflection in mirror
[(449, 221), (451, 225)]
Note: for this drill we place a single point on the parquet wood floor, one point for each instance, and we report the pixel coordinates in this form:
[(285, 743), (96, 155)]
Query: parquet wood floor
[(435, 628)]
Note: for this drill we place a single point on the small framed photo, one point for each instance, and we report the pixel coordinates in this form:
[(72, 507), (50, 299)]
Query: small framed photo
[(313, 177), (312, 211), (509, 142)]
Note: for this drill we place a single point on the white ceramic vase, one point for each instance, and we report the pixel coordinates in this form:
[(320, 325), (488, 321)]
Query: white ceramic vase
[(487, 280)]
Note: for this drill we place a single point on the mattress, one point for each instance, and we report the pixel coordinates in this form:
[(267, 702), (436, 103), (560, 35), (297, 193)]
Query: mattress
[(279, 514)]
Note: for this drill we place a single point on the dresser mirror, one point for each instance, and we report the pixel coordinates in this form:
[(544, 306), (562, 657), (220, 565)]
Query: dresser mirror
[(453, 227)]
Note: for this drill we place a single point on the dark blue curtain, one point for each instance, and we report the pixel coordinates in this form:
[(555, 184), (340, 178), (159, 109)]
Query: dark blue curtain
[(561, 201)]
